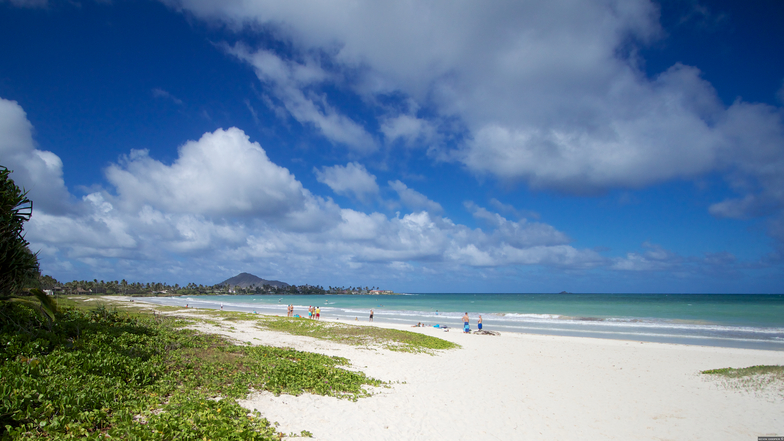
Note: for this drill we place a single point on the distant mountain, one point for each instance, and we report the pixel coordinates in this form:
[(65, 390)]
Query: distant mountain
[(245, 280)]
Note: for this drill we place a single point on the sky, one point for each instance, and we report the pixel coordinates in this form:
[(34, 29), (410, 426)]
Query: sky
[(420, 146)]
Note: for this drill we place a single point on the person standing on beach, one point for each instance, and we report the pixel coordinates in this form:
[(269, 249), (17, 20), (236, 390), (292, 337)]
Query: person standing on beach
[(479, 323), (371, 315), (466, 328), (318, 312)]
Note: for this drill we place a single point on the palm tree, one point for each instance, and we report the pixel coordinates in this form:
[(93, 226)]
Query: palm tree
[(18, 265)]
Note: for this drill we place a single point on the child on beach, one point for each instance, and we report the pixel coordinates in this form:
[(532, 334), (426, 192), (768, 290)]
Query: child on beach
[(318, 313), (371, 315)]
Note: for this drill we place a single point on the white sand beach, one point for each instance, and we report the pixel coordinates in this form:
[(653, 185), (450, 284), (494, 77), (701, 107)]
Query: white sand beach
[(524, 386)]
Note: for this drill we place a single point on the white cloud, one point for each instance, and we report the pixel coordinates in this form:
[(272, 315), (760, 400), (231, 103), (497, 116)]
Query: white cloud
[(647, 133), (549, 93), (657, 259), (39, 172), (223, 205), (351, 180), (756, 171), (521, 234), (222, 202), (289, 82), (221, 174), (407, 128), (413, 199), (506, 208)]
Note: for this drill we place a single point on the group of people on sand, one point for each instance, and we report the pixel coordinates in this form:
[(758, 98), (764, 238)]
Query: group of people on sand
[(314, 312), (467, 327), (290, 311)]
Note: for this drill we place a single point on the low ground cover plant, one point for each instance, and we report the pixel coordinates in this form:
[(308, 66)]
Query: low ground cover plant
[(755, 379), (357, 335), (391, 339), (98, 374)]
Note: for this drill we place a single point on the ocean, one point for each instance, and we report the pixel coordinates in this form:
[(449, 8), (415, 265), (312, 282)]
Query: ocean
[(754, 321)]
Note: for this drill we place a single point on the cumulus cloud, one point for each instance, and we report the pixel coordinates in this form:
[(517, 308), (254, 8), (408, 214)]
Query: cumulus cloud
[(222, 200), (408, 129), (548, 93), (352, 180), (413, 199), (221, 174), (520, 234), (40, 172), (647, 133), (756, 171), (222, 205), (657, 259)]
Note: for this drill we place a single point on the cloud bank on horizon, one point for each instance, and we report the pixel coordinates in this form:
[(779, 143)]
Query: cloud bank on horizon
[(529, 96)]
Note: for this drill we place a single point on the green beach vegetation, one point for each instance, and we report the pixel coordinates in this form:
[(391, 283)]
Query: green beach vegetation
[(139, 376), (350, 334), (762, 378), (357, 335)]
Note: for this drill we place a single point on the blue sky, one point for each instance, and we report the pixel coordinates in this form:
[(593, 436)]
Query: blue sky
[(591, 146)]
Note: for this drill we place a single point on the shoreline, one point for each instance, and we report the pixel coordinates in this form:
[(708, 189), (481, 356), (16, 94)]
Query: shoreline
[(518, 386), (676, 331)]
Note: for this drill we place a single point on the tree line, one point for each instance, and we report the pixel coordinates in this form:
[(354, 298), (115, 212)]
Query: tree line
[(123, 287)]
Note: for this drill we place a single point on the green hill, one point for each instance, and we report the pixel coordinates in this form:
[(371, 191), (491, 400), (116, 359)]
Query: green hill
[(245, 280)]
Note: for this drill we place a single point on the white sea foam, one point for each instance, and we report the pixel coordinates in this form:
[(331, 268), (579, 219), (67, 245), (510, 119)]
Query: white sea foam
[(528, 316)]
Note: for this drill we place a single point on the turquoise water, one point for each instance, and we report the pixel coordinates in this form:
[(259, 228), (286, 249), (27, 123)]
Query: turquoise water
[(748, 321)]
